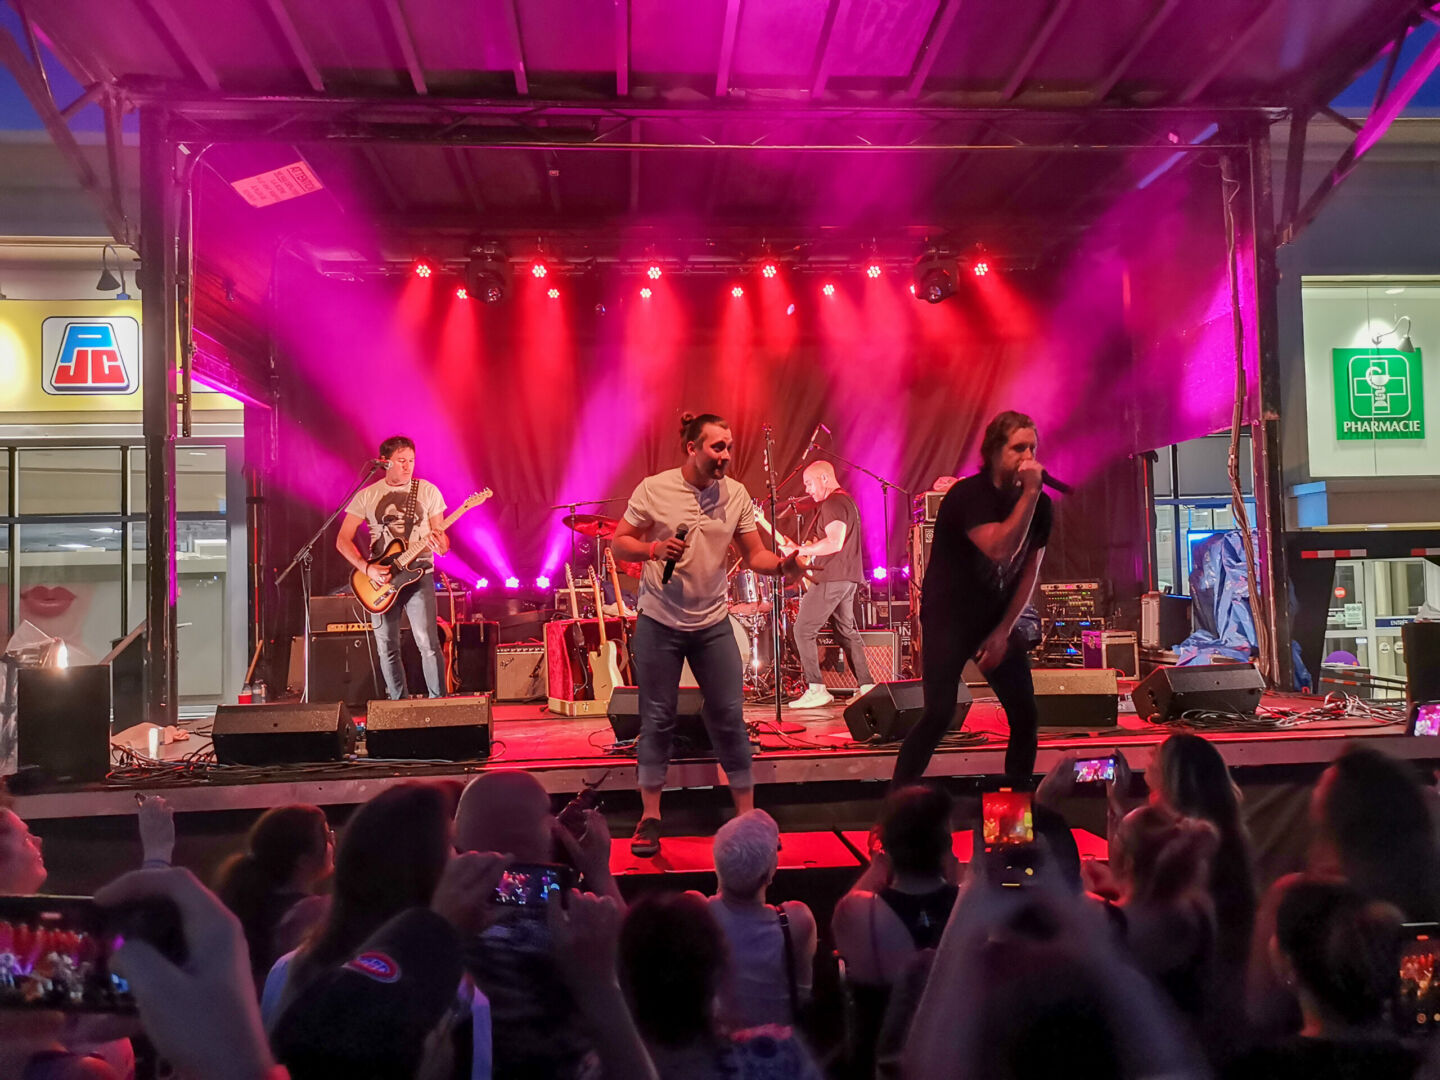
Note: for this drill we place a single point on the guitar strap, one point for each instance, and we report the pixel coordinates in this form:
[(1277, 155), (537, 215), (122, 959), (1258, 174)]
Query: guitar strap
[(420, 560)]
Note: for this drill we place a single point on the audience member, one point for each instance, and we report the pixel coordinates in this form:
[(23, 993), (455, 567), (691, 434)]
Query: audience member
[(1340, 951), (672, 961), (269, 884), (1162, 861), (535, 1018), (390, 858), (771, 949), (1027, 983), (897, 909)]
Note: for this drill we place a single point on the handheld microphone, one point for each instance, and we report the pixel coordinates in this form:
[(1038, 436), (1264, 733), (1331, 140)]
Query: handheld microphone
[(1059, 485), (670, 563)]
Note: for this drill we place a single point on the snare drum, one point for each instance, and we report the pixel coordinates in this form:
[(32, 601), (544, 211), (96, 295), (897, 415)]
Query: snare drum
[(745, 596)]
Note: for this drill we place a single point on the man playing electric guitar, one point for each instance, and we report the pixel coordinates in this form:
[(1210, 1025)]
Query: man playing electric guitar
[(400, 506)]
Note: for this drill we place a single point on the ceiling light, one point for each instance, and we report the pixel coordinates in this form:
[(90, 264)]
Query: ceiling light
[(1395, 291)]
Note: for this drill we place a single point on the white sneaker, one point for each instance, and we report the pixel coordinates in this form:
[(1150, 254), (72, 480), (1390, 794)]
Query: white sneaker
[(816, 697), (864, 689)]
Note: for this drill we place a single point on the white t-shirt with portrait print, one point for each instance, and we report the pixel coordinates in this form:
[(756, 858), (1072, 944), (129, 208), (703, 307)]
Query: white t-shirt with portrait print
[(382, 506)]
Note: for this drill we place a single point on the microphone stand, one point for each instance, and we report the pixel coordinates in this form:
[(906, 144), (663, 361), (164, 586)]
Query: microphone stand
[(777, 590), (303, 559), (885, 488)]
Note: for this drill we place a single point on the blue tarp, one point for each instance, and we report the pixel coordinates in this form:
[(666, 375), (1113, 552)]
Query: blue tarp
[(1220, 602)]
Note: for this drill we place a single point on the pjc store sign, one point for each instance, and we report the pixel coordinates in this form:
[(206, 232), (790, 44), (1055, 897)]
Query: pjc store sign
[(1379, 394), (90, 355)]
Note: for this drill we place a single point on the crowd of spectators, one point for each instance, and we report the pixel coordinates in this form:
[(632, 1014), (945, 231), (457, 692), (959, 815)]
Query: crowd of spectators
[(399, 950)]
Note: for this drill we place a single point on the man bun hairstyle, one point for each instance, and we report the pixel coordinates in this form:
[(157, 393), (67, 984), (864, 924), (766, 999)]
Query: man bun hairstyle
[(691, 425), (396, 442), (998, 432)]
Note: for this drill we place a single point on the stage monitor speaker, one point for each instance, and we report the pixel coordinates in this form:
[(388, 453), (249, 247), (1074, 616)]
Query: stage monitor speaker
[(475, 663), (443, 729), (691, 738), (283, 733), (62, 722), (882, 649), (1076, 697), (1168, 693), (888, 712), (1422, 660)]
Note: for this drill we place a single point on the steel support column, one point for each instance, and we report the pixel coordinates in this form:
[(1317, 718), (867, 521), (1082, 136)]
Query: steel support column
[(1265, 425), (158, 264)]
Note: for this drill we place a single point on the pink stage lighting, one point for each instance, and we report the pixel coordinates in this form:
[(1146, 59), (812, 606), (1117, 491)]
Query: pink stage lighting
[(554, 294), (542, 582), (482, 583), (828, 289), (645, 293), (461, 294), (653, 273), (512, 582), (769, 270), (737, 292), (981, 268), (538, 269), (873, 270), (878, 573), (423, 269)]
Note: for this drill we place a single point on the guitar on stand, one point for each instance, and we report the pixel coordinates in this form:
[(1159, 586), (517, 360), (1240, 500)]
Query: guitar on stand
[(399, 556), (604, 661), (586, 696), (624, 613)]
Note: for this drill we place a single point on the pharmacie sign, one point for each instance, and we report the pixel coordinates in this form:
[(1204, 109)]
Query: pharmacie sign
[(1379, 394), (90, 355)]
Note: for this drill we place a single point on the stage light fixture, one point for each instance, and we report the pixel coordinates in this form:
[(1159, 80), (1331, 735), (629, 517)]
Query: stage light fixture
[(934, 274), (828, 289), (645, 293), (653, 273), (423, 269), (737, 292), (981, 268), (487, 275), (512, 582), (461, 294), (768, 270), (482, 583), (912, 288), (542, 582), (538, 269), (554, 294), (879, 573), (873, 270)]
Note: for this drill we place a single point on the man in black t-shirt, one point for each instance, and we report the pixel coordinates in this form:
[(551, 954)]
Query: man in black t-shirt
[(838, 571), (990, 537)]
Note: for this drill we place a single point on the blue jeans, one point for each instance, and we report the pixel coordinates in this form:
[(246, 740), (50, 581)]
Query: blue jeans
[(416, 601), (660, 653)]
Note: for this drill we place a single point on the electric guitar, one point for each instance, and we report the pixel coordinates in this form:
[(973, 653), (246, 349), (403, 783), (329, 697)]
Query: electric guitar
[(604, 661), (780, 539), (583, 688), (398, 557), (625, 613)]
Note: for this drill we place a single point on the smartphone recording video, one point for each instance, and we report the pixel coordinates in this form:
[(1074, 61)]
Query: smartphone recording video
[(1417, 998), (1425, 718), (1007, 818), (532, 884), (1095, 770), (55, 954)]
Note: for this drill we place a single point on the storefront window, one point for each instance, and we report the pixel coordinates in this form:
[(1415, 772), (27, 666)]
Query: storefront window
[(70, 480), (1165, 549), (70, 585)]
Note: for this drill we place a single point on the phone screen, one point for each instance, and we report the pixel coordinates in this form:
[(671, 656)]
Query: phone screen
[(1094, 769), (1007, 818), (55, 954), (1425, 719), (1417, 1000), (531, 884)]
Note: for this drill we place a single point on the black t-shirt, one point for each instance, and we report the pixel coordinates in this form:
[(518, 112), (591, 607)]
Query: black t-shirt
[(846, 564), (961, 580)]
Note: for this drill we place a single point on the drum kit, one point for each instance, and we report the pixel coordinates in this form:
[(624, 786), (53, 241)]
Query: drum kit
[(752, 603)]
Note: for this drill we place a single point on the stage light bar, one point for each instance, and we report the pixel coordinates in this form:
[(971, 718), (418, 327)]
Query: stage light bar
[(645, 293), (653, 273), (737, 292)]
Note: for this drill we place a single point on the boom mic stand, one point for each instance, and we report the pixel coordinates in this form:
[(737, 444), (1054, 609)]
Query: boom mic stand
[(303, 559), (777, 590)]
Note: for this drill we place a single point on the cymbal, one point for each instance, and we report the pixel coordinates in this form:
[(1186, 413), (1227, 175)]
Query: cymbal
[(592, 525)]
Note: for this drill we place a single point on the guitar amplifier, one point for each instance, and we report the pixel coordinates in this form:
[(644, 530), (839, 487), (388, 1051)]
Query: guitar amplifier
[(520, 673), (339, 612), (882, 652), (345, 667)]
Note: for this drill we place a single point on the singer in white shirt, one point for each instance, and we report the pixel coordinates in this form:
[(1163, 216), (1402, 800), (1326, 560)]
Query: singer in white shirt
[(685, 617)]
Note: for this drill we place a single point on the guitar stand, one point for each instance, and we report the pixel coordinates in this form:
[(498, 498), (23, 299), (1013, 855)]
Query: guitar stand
[(303, 558)]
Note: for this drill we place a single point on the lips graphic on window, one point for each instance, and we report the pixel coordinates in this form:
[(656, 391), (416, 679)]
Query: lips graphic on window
[(47, 600)]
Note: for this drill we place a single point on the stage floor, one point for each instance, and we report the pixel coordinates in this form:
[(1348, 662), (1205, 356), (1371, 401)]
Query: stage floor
[(809, 747)]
